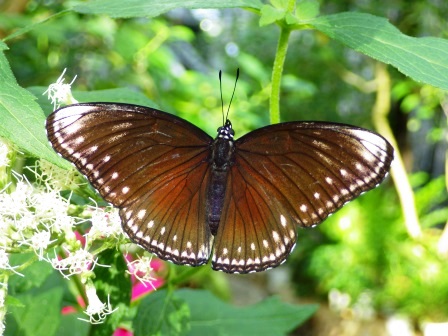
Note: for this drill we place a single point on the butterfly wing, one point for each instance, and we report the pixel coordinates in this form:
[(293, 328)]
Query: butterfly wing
[(150, 164), (289, 175)]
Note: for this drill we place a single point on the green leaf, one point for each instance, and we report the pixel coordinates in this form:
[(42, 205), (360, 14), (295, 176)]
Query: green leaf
[(270, 14), (115, 283), (424, 59), (152, 8), (71, 325), (33, 276), (21, 119), (307, 9), (210, 316), (3, 46), (280, 4), (161, 314), (39, 315), (291, 19), (21, 31)]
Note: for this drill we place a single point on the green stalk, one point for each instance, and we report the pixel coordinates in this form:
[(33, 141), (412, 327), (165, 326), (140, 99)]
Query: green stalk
[(277, 71)]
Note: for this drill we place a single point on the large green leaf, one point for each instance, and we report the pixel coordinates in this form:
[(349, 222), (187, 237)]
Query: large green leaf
[(3, 46), (71, 325), (210, 316), (424, 59), (152, 8), (22, 121), (161, 314), (198, 312), (33, 276), (39, 315), (39, 311)]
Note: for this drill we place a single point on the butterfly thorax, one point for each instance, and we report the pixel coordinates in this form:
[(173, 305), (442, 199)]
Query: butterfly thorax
[(222, 158)]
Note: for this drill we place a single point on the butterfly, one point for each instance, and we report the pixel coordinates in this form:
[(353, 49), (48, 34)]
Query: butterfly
[(187, 197)]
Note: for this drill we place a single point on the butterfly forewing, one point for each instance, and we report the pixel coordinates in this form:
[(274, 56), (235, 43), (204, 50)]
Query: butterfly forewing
[(150, 164), (289, 175)]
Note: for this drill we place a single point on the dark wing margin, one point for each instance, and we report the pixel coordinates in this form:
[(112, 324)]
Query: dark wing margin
[(151, 165), (289, 175)]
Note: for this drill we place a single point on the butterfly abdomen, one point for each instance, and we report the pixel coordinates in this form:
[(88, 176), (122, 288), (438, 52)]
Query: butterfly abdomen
[(222, 158)]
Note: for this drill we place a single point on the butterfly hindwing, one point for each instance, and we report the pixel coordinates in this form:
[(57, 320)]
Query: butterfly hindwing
[(151, 165), (256, 231), (289, 175)]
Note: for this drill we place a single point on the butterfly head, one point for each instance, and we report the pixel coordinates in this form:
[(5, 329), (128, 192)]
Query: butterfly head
[(226, 131)]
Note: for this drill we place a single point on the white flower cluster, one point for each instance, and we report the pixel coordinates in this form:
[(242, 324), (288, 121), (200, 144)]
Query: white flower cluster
[(31, 215), (61, 93), (105, 223), (142, 270), (36, 217)]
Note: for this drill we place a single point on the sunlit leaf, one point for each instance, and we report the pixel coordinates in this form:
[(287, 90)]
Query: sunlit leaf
[(21, 118), (307, 9), (152, 8), (211, 316), (270, 14), (423, 59)]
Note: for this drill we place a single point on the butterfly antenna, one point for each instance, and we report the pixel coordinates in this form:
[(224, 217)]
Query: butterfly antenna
[(233, 93), (222, 101)]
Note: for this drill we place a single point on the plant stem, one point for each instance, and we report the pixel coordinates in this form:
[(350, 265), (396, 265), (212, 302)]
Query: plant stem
[(442, 244), (277, 70), (398, 171)]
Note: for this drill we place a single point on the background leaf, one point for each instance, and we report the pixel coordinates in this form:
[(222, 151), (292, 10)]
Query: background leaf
[(270, 14), (40, 311), (307, 9), (71, 325), (33, 276), (424, 59), (161, 313), (40, 314), (211, 316), (21, 118), (152, 8)]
